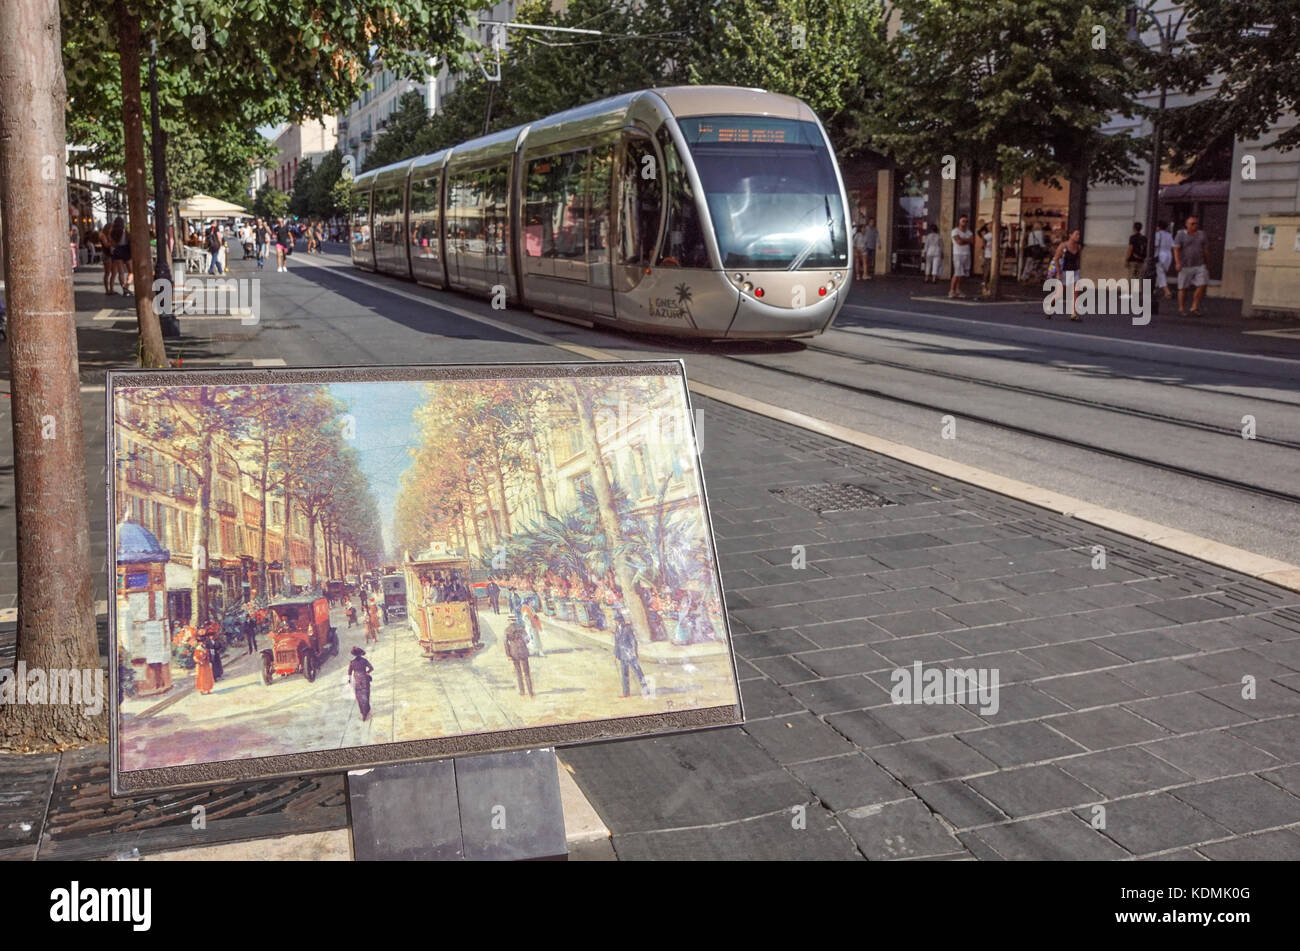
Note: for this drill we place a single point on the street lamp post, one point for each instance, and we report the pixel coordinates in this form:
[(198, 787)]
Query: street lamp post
[(1168, 33)]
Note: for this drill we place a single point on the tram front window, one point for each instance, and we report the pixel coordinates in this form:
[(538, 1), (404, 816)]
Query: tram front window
[(771, 190)]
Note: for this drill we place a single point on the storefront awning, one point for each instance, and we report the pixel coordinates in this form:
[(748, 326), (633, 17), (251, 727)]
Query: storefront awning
[(1195, 191), (181, 577)]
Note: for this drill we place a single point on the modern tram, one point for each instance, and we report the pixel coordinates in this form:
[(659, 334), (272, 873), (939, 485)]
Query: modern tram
[(700, 211)]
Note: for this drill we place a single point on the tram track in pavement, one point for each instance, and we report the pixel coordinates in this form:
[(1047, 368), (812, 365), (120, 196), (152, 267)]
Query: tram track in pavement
[(1172, 468)]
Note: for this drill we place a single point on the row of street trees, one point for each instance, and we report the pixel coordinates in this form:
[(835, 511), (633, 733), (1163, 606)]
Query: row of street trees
[(292, 443)]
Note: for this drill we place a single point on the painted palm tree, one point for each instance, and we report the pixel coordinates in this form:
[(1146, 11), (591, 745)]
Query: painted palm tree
[(683, 293)]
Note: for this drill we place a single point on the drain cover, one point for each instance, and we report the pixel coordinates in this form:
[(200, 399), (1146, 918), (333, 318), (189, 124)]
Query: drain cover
[(833, 497)]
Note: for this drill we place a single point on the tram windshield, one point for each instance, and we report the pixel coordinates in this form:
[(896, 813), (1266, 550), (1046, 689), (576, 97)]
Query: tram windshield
[(772, 191)]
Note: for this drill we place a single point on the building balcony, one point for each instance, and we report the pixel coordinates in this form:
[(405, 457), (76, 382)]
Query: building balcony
[(140, 477), (227, 469), (225, 508), (183, 493)]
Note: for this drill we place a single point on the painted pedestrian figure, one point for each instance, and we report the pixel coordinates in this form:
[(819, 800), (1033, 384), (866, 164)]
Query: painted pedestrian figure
[(494, 596), (359, 674), (250, 634), (517, 651), (626, 652), (202, 668), (372, 623)]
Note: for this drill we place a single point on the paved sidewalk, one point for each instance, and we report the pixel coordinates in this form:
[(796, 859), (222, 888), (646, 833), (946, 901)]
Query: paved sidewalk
[(1120, 688)]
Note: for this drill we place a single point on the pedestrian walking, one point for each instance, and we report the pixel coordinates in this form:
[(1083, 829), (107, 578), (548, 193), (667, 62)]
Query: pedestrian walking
[(1191, 252), (870, 241), (120, 252), (1068, 259), (533, 629), (383, 610), (1035, 251), (932, 255), (359, 672), (859, 253), (261, 242), (1136, 255), (214, 242), (1164, 258), (372, 623), (627, 654), (517, 651), (350, 610), (250, 634), (283, 245), (494, 596), (962, 241), (203, 681)]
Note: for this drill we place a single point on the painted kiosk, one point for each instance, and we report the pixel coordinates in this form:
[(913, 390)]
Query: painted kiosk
[(441, 609)]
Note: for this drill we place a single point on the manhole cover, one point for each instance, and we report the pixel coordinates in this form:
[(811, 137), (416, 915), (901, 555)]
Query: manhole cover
[(833, 497)]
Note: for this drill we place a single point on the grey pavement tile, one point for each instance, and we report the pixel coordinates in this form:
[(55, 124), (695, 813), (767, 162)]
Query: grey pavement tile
[(842, 660), (770, 838), (1279, 737), (1187, 712), (1286, 653), (771, 643), (1063, 629), (1217, 635), (1185, 610), (1038, 582), (1125, 620), (914, 720), (1049, 604), (1074, 657), (848, 567), (764, 574), (1114, 595), (901, 830), (1015, 744), (1157, 823), (1271, 699), (1012, 666), (1019, 702), (1123, 772), (931, 760), (1228, 667), (1062, 837), (904, 651), (846, 609), (768, 619), (746, 671), (1145, 645), (1288, 777), (1242, 803), (960, 805), (1157, 678), (966, 592), (910, 599), (1280, 845), (1080, 691), (912, 558), (843, 633), (783, 669), (845, 782), (1181, 855), (995, 637), (1171, 588), (976, 570), (1213, 755), (825, 588), (1033, 789), (685, 779), (982, 613), (839, 694), (1106, 727), (797, 738), (773, 595), (762, 698), (899, 579), (864, 728)]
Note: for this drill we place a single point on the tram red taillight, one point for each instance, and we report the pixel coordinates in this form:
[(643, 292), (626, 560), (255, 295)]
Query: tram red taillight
[(758, 292)]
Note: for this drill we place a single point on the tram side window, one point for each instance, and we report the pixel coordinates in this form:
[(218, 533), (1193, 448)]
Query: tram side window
[(465, 211), (424, 215), (684, 237), (639, 204), (361, 219), (495, 206), (600, 166), (554, 206)]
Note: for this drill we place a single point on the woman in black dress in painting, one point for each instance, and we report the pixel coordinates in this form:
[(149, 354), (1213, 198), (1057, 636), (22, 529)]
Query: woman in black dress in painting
[(359, 673)]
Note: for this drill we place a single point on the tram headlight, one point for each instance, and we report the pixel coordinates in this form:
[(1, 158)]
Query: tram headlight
[(749, 286), (738, 278), (837, 275)]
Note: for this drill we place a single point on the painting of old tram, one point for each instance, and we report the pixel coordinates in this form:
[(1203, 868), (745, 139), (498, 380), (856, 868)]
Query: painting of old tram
[(339, 565)]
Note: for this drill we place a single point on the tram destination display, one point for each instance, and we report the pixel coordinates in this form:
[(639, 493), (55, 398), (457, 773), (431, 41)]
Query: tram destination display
[(330, 569)]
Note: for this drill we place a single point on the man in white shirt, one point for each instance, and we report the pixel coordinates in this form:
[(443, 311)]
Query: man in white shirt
[(962, 241), (871, 238)]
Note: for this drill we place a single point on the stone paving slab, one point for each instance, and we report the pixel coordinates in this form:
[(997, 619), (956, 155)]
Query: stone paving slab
[(1124, 728)]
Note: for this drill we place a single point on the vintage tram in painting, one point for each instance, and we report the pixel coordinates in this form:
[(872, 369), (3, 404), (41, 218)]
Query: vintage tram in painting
[(701, 211), (440, 606)]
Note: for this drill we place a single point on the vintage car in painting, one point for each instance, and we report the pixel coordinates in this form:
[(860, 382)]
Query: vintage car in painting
[(301, 638)]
